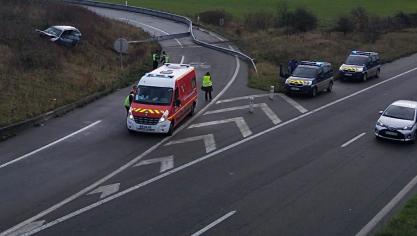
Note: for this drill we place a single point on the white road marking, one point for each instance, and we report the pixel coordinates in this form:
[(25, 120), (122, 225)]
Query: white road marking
[(388, 208), (182, 59), (208, 139), (106, 190), (353, 140), (119, 170), (265, 108), (27, 228), (49, 145), (166, 163), (293, 103), (242, 98), (152, 27), (186, 165), (216, 222), (240, 122)]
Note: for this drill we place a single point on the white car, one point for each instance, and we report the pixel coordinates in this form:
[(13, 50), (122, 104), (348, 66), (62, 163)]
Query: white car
[(65, 35), (398, 121)]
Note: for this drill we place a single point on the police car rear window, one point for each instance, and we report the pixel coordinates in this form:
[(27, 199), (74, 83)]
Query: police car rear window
[(357, 60), (305, 72)]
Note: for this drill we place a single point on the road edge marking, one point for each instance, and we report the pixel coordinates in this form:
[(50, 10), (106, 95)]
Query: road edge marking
[(49, 145), (214, 223)]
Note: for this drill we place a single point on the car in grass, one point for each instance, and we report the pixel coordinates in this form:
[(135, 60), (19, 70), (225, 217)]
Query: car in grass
[(398, 122), (360, 66), (310, 77), (62, 34)]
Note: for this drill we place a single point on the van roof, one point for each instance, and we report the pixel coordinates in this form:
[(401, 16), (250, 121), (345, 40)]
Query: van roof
[(166, 75)]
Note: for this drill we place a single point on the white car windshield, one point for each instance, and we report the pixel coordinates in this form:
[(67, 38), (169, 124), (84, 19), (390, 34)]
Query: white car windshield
[(399, 112), (53, 31), (153, 95)]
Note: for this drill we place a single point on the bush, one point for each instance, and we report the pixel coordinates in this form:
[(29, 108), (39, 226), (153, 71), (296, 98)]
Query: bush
[(259, 21), (345, 25), (302, 20), (360, 18), (214, 17)]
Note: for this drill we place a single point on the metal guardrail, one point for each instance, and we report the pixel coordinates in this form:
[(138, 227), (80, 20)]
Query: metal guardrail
[(168, 16)]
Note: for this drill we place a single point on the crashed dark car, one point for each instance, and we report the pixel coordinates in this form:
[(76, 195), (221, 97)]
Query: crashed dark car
[(64, 35)]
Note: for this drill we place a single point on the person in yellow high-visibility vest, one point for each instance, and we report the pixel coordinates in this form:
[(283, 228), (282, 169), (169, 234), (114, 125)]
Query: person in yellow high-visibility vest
[(207, 86)]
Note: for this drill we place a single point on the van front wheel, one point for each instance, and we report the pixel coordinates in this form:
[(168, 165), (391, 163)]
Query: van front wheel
[(171, 129)]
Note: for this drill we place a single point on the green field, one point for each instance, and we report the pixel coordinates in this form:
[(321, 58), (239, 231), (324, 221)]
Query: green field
[(325, 9)]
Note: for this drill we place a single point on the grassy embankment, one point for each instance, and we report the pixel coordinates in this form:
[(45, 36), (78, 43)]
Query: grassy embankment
[(273, 45), (37, 75)]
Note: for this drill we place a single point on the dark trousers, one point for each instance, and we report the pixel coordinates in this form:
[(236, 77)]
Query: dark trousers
[(127, 110), (155, 64), (208, 94), (207, 91)]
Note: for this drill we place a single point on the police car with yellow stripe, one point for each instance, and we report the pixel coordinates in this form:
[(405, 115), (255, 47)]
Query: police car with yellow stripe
[(310, 77), (360, 66)]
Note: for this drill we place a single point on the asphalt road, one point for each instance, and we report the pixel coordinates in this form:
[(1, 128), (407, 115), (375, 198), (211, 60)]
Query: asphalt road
[(295, 166)]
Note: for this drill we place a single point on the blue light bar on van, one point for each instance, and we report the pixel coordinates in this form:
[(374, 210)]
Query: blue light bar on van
[(355, 52)]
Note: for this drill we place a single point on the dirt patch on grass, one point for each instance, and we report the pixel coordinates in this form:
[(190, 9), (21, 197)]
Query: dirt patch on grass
[(37, 75)]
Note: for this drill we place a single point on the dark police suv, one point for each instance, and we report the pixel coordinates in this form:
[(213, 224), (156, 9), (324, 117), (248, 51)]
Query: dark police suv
[(360, 66), (310, 77)]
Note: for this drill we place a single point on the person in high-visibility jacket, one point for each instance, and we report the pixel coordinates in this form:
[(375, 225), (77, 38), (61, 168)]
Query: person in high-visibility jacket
[(164, 58), (207, 86), (129, 99), (155, 59)]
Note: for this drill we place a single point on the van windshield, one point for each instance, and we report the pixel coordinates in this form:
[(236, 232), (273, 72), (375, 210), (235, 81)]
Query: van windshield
[(153, 95), (356, 60)]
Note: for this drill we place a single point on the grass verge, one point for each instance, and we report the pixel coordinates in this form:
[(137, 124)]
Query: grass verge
[(404, 223)]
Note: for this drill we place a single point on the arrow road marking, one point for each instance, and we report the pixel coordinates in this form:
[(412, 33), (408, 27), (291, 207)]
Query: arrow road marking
[(106, 190), (265, 108), (293, 103), (240, 122), (166, 163), (27, 228), (208, 141)]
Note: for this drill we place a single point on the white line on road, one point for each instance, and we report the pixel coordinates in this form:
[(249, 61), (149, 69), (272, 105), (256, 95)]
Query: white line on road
[(240, 122), (106, 190), (388, 208), (182, 59), (242, 98), (49, 145), (119, 170), (293, 103), (152, 27), (265, 108), (353, 140), (216, 222), (166, 162), (208, 139), (180, 168)]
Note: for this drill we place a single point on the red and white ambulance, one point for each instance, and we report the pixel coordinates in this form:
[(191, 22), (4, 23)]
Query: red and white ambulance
[(163, 99)]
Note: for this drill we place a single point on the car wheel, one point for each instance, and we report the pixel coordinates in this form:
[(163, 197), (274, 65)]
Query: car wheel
[(330, 87), (378, 73), (314, 92), (365, 77), (171, 129)]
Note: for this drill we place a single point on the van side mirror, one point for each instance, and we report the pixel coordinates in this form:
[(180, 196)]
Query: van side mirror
[(177, 103)]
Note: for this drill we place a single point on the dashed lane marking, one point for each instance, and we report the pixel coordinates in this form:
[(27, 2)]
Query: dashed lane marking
[(214, 223), (352, 140)]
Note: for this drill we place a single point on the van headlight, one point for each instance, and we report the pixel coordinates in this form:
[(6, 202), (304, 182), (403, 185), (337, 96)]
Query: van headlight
[(359, 69), (307, 82), (164, 116)]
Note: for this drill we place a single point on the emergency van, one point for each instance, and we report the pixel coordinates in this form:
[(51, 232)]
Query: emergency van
[(164, 97)]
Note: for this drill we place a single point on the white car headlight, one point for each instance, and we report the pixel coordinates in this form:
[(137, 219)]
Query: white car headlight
[(379, 123), (130, 115), (164, 116), (308, 82), (408, 127)]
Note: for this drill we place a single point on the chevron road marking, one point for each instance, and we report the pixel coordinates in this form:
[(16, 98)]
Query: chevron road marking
[(208, 141), (293, 103), (106, 190), (265, 108), (240, 122), (242, 98), (166, 163)]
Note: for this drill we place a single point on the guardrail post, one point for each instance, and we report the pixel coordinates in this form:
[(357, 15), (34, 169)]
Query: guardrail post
[(126, 3), (251, 102), (271, 92)]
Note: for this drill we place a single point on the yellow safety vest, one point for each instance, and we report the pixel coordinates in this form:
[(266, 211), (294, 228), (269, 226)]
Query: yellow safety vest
[(207, 81), (127, 102)]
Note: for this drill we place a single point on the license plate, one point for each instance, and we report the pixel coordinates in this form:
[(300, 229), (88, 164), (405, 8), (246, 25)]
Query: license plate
[(145, 127), (348, 74), (391, 133), (295, 88)]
